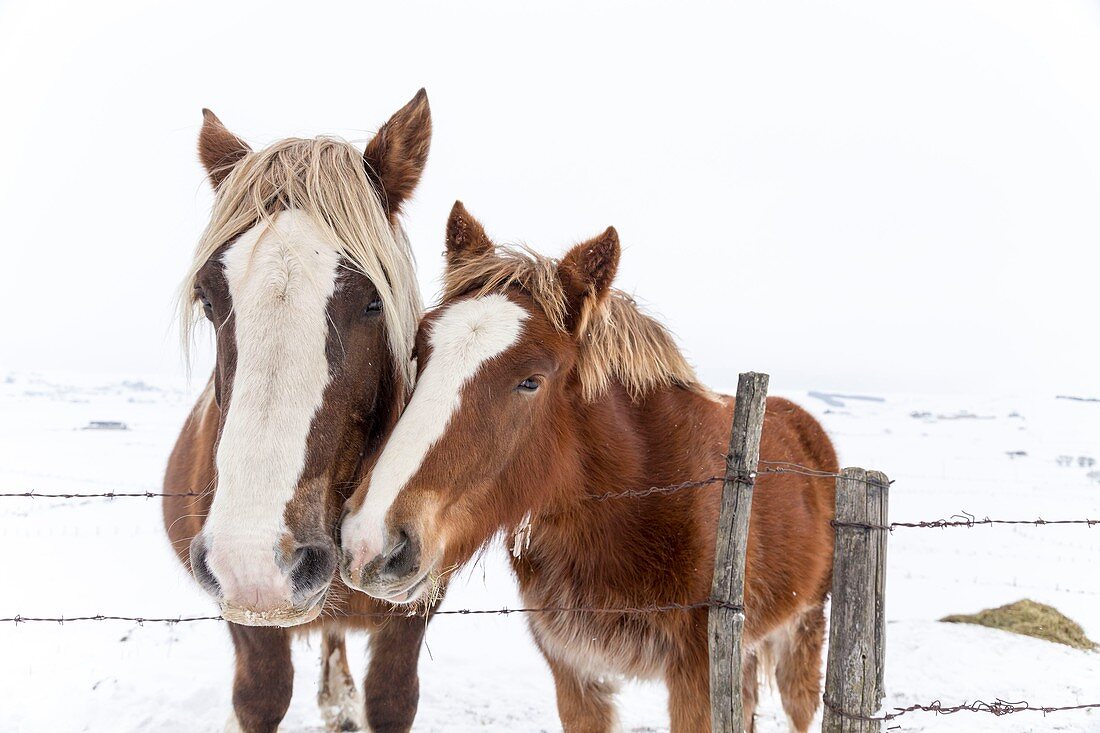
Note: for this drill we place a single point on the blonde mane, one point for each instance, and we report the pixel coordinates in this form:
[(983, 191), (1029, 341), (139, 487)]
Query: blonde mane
[(325, 178), (617, 341)]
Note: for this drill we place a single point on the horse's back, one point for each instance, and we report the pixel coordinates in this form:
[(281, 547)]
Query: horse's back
[(792, 435), (191, 470), (790, 553), (799, 425)]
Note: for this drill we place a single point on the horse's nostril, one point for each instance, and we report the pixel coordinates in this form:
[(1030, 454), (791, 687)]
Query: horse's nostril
[(312, 568), (402, 543), (403, 559), (200, 569)]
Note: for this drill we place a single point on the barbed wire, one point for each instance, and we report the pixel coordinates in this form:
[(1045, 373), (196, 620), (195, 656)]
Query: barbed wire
[(998, 708), (656, 490), (777, 467), (652, 608), (62, 620), (962, 519), (105, 495), (773, 467)]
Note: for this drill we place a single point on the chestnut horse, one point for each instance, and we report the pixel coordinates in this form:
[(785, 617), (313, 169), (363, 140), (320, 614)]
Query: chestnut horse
[(308, 281), (541, 388)]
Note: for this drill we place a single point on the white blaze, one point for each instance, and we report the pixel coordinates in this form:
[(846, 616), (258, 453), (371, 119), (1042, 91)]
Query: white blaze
[(465, 336), (280, 283)]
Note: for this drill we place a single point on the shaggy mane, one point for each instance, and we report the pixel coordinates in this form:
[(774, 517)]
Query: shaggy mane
[(617, 340), (326, 178)]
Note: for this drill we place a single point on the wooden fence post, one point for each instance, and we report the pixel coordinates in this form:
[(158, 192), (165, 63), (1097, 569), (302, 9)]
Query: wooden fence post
[(857, 625), (726, 619)]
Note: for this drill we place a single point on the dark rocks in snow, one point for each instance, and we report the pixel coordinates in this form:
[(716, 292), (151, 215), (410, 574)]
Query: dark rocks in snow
[(833, 399), (105, 425)]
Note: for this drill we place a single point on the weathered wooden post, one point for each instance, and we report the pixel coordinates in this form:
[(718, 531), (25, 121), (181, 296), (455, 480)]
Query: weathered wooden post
[(727, 617), (857, 627)]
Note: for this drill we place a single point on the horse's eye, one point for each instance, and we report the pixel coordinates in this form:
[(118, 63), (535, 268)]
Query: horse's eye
[(528, 385), (206, 306), (375, 306)]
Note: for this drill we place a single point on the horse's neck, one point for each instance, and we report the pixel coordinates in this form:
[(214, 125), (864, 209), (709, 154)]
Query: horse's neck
[(605, 544)]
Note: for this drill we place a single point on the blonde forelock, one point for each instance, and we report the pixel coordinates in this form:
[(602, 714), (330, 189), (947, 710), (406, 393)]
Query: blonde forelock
[(617, 342), (325, 178)]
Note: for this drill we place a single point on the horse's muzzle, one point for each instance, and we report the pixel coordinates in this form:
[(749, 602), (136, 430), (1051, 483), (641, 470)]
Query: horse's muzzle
[(395, 575), (265, 588)]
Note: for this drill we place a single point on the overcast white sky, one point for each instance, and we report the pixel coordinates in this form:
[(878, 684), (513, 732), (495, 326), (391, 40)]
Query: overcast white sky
[(857, 195)]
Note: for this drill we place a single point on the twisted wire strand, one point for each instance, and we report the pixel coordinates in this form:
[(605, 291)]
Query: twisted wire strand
[(998, 708), (963, 519), (652, 608)]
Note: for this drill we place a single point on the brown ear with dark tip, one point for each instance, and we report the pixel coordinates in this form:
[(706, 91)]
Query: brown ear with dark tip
[(586, 272), (219, 149), (466, 238), (395, 158)]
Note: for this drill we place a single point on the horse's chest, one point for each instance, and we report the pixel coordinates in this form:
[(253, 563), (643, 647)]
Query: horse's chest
[(598, 644)]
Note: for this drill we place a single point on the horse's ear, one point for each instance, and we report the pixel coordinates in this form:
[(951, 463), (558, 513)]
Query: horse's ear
[(219, 149), (586, 273), (396, 156), (466, 237)]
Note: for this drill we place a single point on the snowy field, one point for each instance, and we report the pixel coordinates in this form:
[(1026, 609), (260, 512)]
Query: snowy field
[(1007, 457)]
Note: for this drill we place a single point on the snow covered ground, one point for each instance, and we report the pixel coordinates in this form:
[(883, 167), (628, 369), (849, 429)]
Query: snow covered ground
[(1009, 457)]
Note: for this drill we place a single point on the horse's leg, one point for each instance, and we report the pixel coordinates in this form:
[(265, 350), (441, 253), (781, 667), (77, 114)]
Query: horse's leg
[(688, 683), (391, 690), (750, 682), (798, 667), (264, 678), (340, 704), (584, 705)]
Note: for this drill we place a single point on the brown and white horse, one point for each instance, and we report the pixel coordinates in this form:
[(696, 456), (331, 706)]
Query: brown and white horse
[(305, 273), (540, 387)]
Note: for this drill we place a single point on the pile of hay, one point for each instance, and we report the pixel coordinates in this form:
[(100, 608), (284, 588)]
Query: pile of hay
[(1030, 619)]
